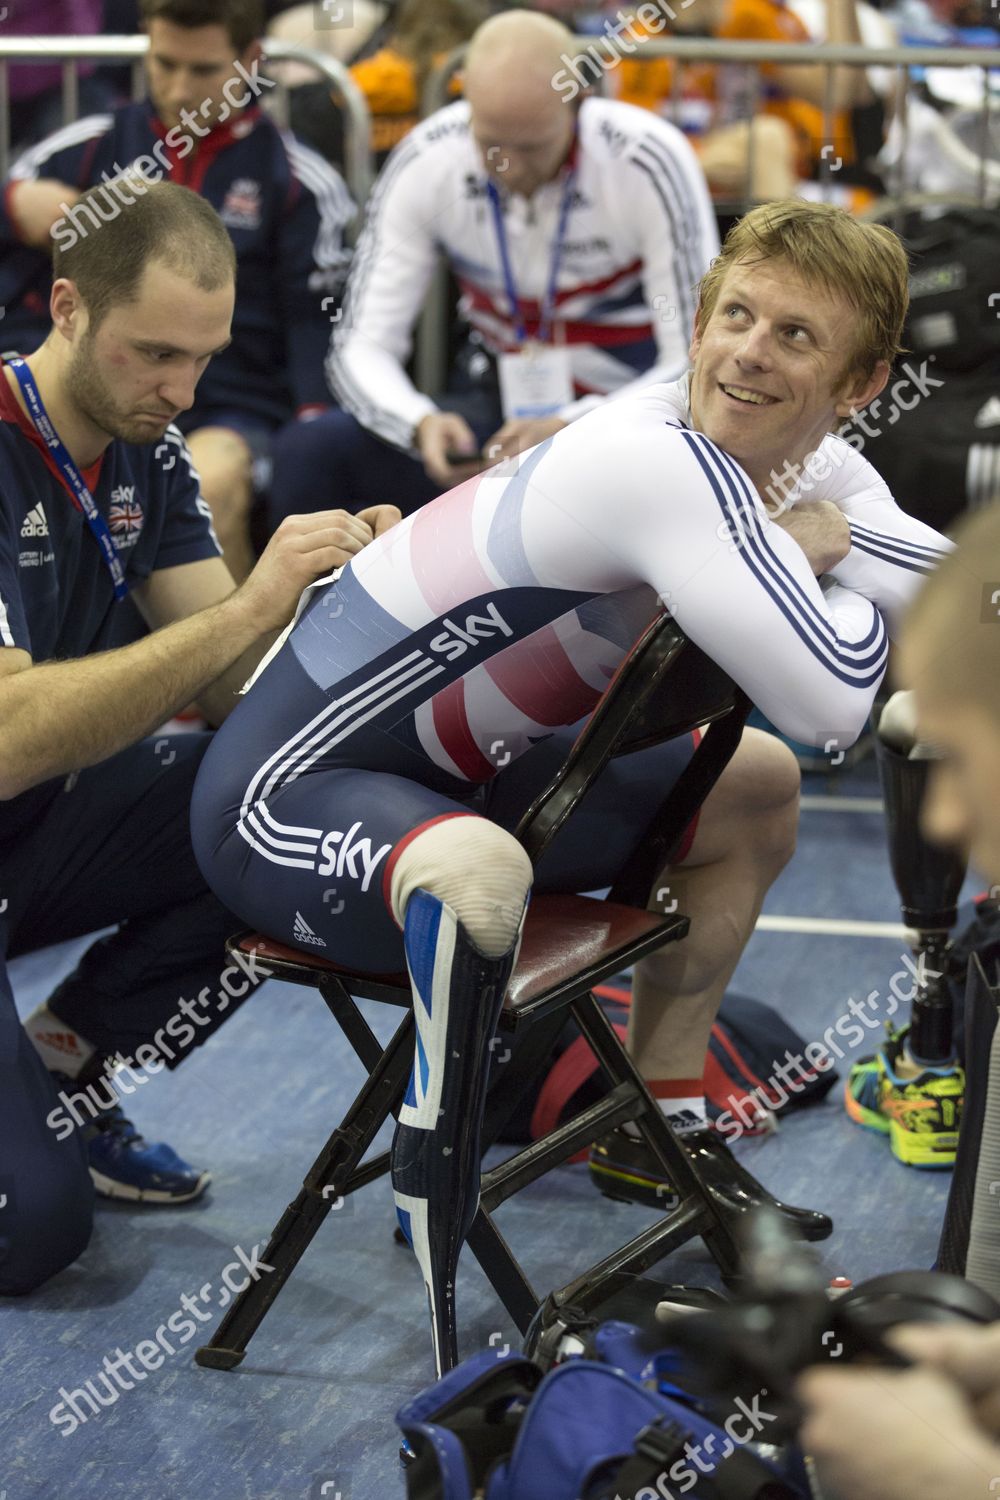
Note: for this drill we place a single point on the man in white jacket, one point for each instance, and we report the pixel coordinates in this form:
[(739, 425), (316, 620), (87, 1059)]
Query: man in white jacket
[(577, 232)]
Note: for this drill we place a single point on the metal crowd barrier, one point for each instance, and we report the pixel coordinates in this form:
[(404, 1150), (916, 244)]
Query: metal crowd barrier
[(431, 347), (430, 357), (358, 160), (698, 49)]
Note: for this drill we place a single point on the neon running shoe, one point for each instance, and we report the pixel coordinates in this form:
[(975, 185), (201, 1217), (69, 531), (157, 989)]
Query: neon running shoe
[(920, 1115)]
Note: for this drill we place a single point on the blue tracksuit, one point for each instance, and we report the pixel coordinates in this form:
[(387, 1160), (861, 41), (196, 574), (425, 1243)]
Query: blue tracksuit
[(286, 210), (106, 846)]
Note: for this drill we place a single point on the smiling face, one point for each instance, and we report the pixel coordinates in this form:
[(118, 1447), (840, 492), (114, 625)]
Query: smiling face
[(769, 378)]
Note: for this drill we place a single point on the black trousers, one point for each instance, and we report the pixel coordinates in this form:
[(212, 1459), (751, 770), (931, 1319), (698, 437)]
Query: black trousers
[(113, 846)]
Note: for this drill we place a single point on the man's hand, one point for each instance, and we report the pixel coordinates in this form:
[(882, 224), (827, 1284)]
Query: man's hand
[(301, 550), (971, 1356), (820, 529), (380, 518), (443, 432), (35, 207), (894, 1435), (518, 435)]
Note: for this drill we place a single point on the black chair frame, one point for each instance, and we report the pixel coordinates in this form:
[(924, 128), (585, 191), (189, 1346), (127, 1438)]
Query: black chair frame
[(665, 687)]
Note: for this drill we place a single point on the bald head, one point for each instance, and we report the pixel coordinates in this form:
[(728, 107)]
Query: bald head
[(521, 124), (516, 44)]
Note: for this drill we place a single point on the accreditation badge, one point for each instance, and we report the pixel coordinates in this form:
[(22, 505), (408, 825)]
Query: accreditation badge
[(536, 381)]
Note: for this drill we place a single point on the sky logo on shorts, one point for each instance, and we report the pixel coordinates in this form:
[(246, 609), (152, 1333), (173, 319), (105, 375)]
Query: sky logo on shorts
[(341, 852), (456, 639)]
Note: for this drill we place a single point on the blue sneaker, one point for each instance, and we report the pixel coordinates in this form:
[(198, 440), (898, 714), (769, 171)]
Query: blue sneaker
[(124, 1165)]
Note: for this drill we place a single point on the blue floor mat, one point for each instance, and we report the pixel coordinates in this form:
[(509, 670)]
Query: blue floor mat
[(309, 1413)]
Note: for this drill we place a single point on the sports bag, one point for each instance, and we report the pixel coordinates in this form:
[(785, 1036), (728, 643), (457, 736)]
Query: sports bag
[(749, 1039), (496, 1427)]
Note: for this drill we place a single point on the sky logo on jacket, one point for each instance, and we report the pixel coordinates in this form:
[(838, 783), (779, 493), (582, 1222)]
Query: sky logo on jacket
[(125, 515)]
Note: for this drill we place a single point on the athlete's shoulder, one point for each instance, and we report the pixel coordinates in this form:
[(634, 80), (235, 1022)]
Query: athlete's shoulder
[(613, 131), (302, 165), (624, 447), (661, 409), (431, 159), (16, 477), (840, 472), (446, 130)]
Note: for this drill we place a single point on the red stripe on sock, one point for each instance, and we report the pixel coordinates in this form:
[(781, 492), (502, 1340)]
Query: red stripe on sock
[(675, 1088)]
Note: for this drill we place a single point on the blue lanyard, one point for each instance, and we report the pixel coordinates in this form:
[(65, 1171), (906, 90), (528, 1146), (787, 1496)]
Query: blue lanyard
[(549, 303), (79, 493)]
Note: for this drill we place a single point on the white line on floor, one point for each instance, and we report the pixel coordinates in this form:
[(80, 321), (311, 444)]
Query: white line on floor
[(841, 804), (834, 927)]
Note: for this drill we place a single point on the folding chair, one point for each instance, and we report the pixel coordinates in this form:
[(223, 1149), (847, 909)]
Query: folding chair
[(665, 687)]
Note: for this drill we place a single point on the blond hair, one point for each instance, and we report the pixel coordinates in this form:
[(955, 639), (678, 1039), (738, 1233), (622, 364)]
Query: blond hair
[(864, 263)]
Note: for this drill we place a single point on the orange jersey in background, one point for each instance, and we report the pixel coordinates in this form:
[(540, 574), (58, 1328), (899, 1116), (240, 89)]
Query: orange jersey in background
[(721, 89)]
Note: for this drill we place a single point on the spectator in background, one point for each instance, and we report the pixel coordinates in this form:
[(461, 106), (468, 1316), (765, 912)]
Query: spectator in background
[(577, 230), (285, 209), (36, 89), (392, 79), (717, 101)]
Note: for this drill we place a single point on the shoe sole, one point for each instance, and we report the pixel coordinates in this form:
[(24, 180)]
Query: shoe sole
[(107, 1187), (868, 1119), (626, 1187), (909, 1148), (913, 1150)]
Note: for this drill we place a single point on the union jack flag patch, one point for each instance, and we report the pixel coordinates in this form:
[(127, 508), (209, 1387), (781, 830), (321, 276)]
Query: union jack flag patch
[(125, 515)]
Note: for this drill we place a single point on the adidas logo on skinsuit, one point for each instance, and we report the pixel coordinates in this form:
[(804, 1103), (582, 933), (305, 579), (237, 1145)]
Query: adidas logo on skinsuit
[(303, 933), (34, 523), (684, 1119)]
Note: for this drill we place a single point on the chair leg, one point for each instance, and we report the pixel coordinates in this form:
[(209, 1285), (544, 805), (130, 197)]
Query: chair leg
[(505, 1274), (722, 1223), (329, 1174), (458, 993)]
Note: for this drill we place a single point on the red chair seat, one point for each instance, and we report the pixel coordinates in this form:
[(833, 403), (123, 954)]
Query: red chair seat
[(564, 937)]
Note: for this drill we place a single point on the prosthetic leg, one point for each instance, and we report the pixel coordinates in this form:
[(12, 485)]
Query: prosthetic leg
[(912, 1090), (927, 877), (458, 995)]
